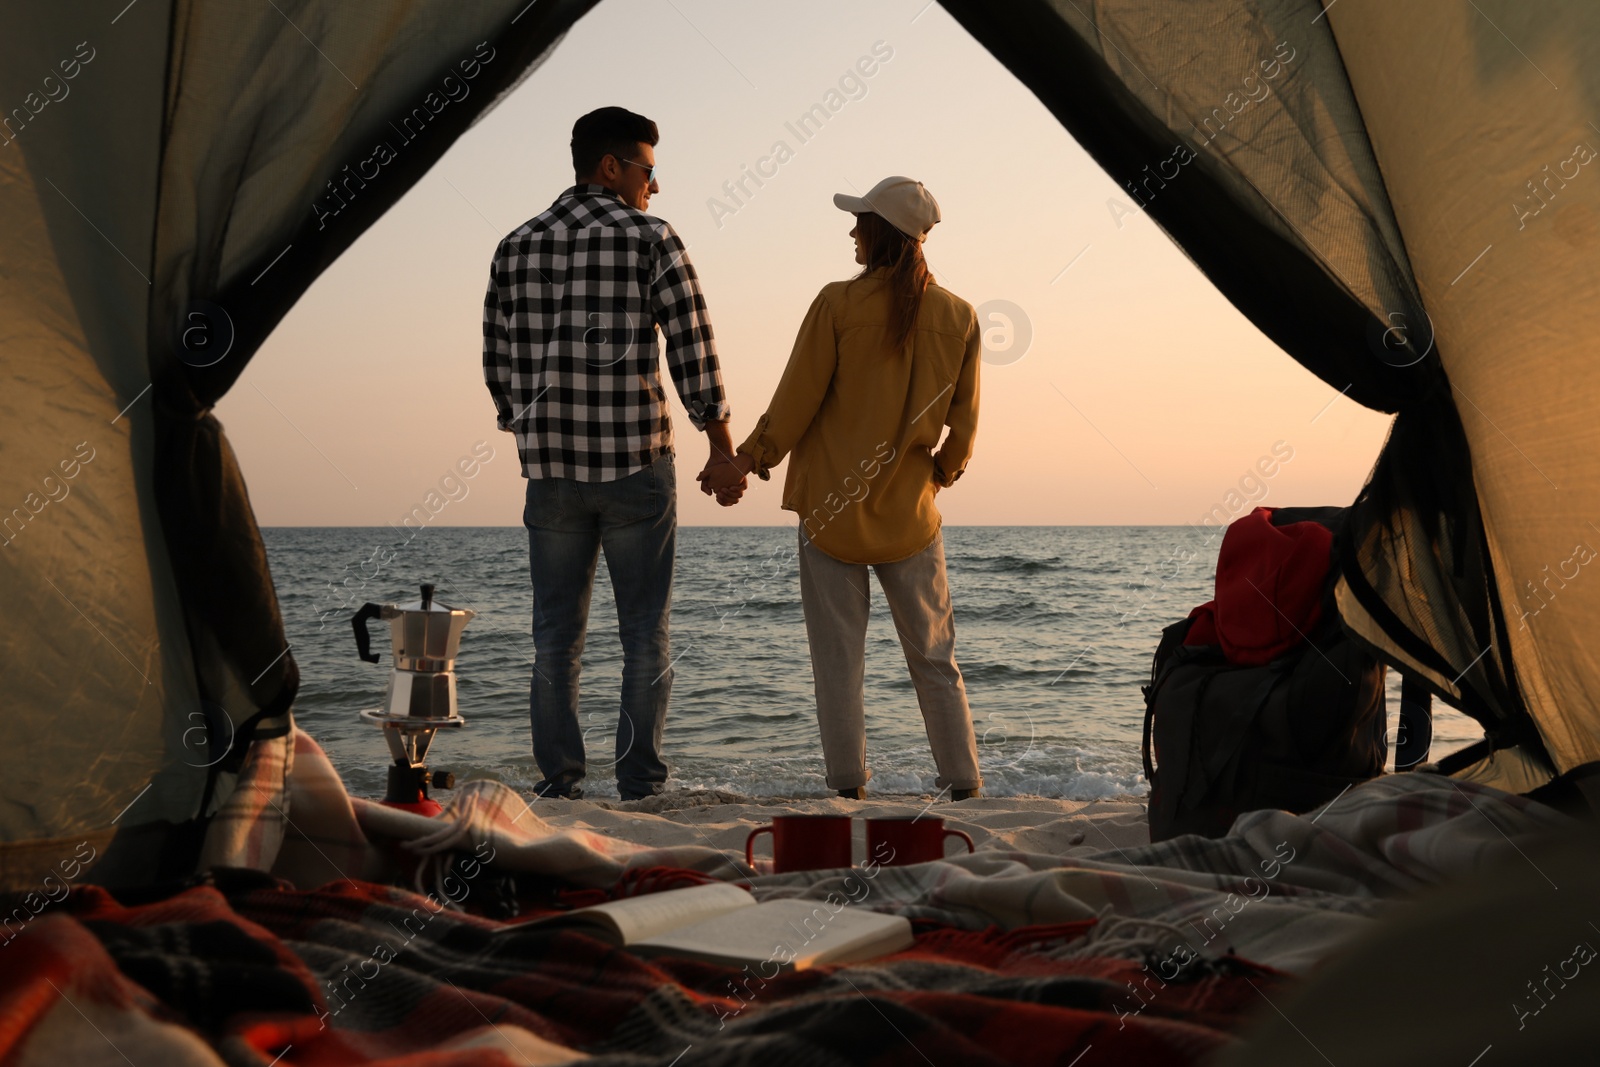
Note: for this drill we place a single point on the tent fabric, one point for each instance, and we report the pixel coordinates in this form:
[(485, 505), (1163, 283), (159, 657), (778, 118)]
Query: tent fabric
[(1423, 591), (99, 674), (1487, 172), (176, 175), (1286, 208)]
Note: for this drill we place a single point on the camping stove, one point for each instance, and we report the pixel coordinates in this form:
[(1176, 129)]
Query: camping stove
[(425, 636)]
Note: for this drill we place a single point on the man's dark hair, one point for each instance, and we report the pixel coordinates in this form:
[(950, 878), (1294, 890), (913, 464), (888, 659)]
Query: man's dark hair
[(609, 131)]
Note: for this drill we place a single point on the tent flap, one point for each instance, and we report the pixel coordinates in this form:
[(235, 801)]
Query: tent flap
[(1285, 208), (203, 165)]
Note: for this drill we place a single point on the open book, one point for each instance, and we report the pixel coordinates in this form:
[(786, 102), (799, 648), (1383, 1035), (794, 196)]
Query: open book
[(721, 923)]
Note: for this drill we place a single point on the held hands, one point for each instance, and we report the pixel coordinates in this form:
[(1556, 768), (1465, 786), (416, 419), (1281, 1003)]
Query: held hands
[(724, 477)]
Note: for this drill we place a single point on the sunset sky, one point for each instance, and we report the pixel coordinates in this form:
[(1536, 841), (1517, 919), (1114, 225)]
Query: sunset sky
[(1142, 397)]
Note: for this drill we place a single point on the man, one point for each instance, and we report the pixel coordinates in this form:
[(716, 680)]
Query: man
[(576, 297)]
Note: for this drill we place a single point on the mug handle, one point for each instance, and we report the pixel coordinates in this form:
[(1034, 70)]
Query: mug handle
[(749, 844), (961, 834)]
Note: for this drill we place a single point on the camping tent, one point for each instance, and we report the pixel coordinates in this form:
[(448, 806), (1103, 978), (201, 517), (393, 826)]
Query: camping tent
[(176, 173)]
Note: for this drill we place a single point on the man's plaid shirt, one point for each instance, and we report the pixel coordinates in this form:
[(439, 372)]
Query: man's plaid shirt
[(575, 297)]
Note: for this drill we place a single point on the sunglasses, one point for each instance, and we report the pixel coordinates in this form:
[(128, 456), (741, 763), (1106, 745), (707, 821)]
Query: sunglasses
[(650, 171)]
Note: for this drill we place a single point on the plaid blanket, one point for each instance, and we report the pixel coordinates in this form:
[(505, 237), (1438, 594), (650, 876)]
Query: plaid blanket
[(1283, 890), (1153, 954), (245, 970)]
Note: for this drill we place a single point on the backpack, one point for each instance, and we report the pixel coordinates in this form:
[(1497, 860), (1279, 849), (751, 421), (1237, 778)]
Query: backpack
[(1222, 738)]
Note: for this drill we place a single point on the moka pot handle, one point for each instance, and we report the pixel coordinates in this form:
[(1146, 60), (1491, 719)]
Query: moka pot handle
[(368, 610)]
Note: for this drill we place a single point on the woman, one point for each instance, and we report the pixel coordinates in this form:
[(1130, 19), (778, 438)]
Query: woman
[(882, 364)]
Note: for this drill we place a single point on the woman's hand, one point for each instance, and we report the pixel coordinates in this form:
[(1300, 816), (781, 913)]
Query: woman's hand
[(725, 478)]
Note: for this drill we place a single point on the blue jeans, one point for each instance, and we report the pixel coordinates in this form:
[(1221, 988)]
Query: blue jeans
[(635, 520)]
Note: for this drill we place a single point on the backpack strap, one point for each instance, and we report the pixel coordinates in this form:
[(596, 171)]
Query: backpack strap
[(1170, 653), (1149, 723)]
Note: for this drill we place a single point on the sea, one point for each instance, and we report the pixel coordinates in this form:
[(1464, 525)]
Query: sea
[(1055, 629)]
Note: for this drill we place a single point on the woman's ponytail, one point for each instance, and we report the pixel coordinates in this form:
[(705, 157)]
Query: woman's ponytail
[(908, 276)]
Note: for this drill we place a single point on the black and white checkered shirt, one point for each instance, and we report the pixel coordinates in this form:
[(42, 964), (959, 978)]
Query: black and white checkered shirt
[(575, 297)]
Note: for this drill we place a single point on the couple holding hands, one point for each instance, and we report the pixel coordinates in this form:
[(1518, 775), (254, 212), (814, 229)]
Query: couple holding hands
[(882, 364)]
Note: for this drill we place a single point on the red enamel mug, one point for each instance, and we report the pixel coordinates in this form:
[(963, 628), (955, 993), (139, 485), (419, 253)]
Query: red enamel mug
[(804, 842), (918, 839)]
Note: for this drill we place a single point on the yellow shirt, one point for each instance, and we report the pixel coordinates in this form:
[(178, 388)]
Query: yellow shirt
[(863, 421)]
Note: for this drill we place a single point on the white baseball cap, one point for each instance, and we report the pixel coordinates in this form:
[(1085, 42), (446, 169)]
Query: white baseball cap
[(904, 202)]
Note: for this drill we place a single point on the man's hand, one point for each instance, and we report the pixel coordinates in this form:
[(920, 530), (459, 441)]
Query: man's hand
[(723, 478), (723, 474)]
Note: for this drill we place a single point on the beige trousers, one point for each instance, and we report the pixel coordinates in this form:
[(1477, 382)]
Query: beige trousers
[(836, 597)]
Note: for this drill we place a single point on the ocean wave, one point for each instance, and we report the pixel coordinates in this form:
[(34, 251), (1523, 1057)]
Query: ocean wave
[(981, 673), (1002, 564)]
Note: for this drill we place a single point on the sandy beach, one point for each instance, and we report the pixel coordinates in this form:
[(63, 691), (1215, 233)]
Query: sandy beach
[(723, 820)]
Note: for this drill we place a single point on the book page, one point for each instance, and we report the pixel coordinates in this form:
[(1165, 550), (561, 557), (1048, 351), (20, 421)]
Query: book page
[(637, 918), (785, 933)]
